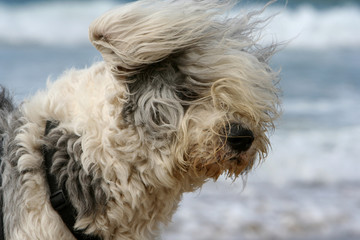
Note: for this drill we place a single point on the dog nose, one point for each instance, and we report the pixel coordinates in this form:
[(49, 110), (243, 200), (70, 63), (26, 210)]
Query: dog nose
[(239, 138)]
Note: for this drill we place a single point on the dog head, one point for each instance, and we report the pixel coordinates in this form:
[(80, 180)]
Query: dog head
[(200, 95)]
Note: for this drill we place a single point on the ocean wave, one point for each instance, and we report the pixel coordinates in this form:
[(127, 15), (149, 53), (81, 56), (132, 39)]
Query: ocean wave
[(66, 23)]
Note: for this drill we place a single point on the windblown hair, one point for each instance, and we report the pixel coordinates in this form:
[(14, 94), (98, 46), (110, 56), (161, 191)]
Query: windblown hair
[(149, 123), (199, 55), (169, 59)]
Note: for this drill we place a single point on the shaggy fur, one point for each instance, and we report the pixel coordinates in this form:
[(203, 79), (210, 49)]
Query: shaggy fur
[(184, 94)]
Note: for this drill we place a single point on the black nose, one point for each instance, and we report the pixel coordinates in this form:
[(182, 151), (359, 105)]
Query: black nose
[(239, 138)]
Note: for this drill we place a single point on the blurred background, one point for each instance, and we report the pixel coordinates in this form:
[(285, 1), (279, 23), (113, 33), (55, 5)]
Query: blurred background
[(309, 186)]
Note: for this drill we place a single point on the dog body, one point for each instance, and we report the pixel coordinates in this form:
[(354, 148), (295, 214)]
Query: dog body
[(183, 95)]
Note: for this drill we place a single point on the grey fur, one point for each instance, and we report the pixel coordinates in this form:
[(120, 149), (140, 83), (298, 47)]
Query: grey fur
[(154, 89), (84, 189), (11, 178), (164, 94), (8, 121), (6, 102), (6, 107)]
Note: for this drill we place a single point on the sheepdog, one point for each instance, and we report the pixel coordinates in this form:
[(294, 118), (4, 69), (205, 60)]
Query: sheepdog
[(184, 94)]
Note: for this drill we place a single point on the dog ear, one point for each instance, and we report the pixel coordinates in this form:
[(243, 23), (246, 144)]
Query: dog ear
[(147, 32), (153, 102)]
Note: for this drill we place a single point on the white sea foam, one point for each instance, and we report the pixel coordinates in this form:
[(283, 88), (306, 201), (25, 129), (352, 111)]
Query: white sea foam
[(317, 140), (312, 28), (66, 23), (264, 211), (53, 23), (312, 155)]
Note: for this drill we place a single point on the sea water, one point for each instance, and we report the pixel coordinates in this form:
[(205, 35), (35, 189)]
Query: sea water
[(309, 186)]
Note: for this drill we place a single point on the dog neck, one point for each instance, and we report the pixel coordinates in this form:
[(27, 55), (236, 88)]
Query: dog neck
[(59, 197)]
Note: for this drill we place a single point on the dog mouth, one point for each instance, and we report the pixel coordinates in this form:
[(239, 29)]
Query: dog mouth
[(231, 152), (230, 164)]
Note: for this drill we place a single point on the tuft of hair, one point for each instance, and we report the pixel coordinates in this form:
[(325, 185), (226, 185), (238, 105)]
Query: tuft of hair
[(146, 32), (6, 102), (6, 107)]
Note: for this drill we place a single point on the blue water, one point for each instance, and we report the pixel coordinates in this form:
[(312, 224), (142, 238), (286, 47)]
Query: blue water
[(309, 187)]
